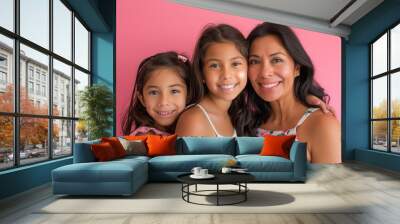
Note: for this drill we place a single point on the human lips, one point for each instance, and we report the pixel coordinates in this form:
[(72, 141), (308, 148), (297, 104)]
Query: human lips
[(227, 87), (269, 85), (166, 113)]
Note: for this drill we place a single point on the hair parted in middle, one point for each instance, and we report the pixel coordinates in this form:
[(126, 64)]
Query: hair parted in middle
[(258, 111), (222, 33)]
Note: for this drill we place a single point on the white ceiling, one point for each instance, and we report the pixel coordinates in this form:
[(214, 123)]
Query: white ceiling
[(327, 16)]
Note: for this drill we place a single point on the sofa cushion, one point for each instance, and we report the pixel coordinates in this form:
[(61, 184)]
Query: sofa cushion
[(111, 171), (257, 163), (185, 163), (205, 145), (129, 159), (277, 145), (116, 145), (161, 145), (103, 151), (135, 137), (134, 147), (83, 152), (249, 145)]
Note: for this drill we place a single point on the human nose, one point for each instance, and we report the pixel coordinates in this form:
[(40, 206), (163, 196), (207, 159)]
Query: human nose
[(226, 72), (163, 100), (266, 69)]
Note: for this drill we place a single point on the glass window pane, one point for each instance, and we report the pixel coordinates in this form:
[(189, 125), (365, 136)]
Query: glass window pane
[(379, 97), (395, 136), (379, 135), (379, 55), (62, 29), (6, 142), (34, 97), (395, 95), (62, 141), (35, 21), (81, 131), (7, 14), (33, 140), (6, 74), (395, 47), (81, 45), (62, 89), (81, 81)]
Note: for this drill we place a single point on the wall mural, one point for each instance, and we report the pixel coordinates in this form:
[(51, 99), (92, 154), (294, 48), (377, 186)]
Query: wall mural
[(195, 72)]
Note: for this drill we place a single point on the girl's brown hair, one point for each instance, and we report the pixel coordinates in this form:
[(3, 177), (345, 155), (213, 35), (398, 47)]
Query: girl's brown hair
[(136, 114), (221, 33)]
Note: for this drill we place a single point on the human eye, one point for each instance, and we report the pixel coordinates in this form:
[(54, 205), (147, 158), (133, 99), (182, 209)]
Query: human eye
[(152, 92), (213, 65), (254, 61), (175, 91), (276, 60), (236, 63)]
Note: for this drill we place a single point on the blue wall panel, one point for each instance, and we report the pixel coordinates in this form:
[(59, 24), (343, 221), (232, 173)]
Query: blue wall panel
[(24, 178), (103, 62), (356, 81)]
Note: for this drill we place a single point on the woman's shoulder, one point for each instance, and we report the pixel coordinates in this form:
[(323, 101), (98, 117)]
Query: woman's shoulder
[(322, 133), (319, 125), (321, 119)]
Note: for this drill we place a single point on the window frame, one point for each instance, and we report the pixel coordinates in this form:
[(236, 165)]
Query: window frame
[(388, 74), (16, 115)]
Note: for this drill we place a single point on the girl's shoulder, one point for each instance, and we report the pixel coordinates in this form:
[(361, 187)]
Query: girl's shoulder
[(193, 122), (192, 113)]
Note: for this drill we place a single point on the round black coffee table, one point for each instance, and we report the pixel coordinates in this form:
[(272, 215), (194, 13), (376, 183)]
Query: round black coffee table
[(238, 179)]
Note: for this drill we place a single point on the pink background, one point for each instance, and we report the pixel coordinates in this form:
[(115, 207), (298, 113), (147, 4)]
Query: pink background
[(152, 26)]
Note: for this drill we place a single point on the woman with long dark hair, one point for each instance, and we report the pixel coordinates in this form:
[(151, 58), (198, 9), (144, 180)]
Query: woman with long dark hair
[(281, 76)]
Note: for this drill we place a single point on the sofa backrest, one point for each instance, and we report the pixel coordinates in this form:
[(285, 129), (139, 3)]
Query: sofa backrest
[(83, 152), (205, 145), (249, 145)]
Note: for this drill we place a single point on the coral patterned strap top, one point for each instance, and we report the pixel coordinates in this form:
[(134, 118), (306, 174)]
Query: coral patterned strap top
[(292, 131)]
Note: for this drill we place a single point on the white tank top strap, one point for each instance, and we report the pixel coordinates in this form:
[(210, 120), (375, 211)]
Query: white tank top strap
[(210, 122)]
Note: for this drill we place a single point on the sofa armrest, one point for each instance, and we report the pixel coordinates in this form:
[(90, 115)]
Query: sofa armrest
[(298, 155), (83, 152)]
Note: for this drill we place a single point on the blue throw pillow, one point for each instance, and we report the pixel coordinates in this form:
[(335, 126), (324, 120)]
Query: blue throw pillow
[(205, 145), (249, 145)]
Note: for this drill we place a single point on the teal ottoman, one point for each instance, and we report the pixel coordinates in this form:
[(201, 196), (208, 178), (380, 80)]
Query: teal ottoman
[(118, 177)]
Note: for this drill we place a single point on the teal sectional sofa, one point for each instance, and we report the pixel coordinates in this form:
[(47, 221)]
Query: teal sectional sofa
[(125, 176)]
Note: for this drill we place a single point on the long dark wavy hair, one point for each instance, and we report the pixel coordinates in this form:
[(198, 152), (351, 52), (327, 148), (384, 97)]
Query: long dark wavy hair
[(247, 119), (222, 33), (136, 114)]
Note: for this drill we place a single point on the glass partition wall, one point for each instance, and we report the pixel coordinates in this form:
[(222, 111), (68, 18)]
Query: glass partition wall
[(385, 91), (44, 64)]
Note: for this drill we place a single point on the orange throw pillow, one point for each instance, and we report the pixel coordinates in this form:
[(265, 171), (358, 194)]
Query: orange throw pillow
[(161, 145), (103, 151), (135, 137), (277, 145), (116, 145)]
